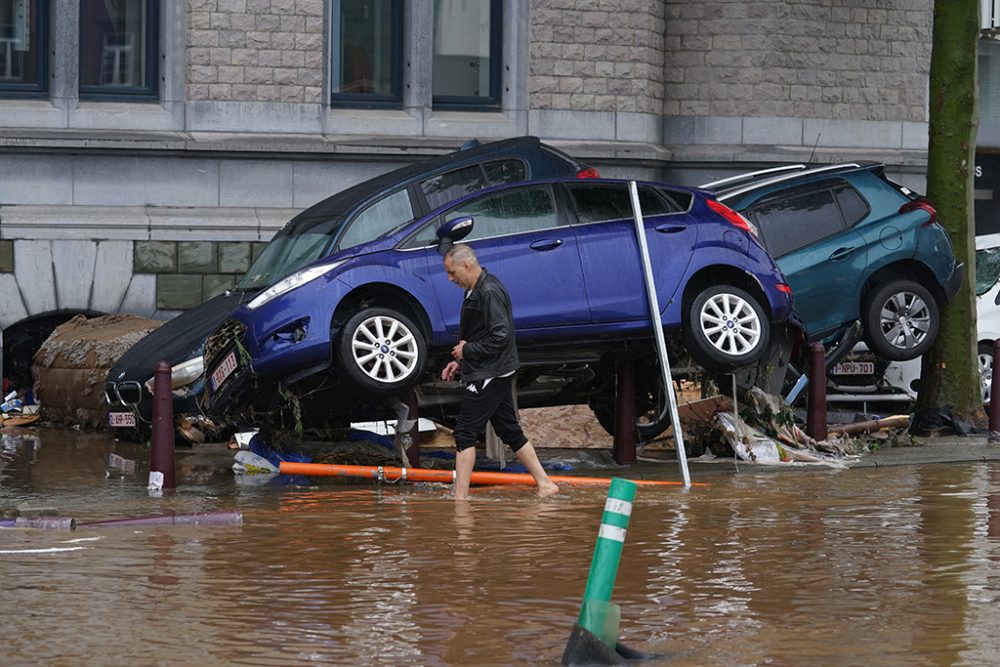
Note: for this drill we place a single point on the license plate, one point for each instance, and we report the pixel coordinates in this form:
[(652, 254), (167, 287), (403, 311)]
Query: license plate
[(223, 370), (121, 419), (853, 368)]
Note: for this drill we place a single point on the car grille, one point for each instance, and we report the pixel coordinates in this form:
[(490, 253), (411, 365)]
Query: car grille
[(219, 340), (129, 392)]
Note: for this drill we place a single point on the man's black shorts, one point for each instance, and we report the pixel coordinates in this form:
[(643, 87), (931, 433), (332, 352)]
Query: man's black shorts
[(493, 403)]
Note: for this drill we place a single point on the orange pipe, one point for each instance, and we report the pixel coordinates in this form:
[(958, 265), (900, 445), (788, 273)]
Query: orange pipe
[(392, 474)]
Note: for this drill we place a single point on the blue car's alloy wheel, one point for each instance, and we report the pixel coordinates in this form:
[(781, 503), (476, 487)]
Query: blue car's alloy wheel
[(726, 328), (382, 351)]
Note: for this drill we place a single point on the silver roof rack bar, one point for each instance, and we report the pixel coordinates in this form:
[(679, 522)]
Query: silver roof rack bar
[(751, 175), (787, 177)]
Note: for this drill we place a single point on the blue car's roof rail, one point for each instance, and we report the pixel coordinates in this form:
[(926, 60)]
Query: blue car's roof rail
[(729, 194), (749, 176)]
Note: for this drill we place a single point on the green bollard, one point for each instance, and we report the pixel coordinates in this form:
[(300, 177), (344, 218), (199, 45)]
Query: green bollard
[(597, 614)]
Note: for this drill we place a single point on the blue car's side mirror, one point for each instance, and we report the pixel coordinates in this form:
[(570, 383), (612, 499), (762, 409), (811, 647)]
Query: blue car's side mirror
[(452, 232)]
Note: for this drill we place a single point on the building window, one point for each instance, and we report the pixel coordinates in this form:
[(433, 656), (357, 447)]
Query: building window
[(367, 53), (467, 50), (119, 49), (23, 33)]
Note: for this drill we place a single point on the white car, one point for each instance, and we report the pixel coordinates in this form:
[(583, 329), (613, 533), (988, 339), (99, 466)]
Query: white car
[(864, 378)]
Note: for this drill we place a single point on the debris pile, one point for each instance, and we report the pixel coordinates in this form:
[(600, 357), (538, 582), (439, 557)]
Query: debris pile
[(766, 432), (71, 365)]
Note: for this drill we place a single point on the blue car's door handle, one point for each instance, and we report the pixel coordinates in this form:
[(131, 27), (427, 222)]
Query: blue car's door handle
[(841, 253), (669, 228), (546, 244)]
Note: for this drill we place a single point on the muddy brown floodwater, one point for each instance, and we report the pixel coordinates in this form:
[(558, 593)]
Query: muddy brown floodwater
[(887, 566)]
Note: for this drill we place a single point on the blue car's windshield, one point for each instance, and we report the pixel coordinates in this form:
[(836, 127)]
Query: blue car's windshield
[(295, 246)]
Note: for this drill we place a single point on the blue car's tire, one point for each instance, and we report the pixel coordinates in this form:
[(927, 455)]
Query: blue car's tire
[(901, 319), (381, 351), (726, 328), (652, 414)]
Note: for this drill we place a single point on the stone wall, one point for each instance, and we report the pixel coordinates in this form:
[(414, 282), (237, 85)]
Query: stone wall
[(596, 55), (863, 60), (189, 273), (255, 50)]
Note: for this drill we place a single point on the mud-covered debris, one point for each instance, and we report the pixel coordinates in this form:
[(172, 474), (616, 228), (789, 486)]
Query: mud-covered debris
[(71, 365)]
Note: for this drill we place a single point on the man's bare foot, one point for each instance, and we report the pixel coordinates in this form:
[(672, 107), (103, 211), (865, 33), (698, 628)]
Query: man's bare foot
[(547, 490)]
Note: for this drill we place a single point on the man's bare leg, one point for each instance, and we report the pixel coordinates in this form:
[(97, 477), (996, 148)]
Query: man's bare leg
[(465, 461), (529, 459)]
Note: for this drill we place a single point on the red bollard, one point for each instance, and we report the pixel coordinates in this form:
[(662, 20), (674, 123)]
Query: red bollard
[(994, 429), (413, 451), (816, 410), (161, 452), (625, 433)]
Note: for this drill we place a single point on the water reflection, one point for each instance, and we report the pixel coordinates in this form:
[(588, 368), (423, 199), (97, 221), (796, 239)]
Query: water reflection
[(887, 566)]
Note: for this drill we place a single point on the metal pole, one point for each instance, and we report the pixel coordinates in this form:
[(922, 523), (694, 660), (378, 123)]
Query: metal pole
[(816, 426), (413, 451), (661, 344), (161, 454), (625, 431)]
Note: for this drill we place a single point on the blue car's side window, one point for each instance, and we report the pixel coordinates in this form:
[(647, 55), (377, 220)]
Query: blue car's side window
[(509, 212), (606, 202)]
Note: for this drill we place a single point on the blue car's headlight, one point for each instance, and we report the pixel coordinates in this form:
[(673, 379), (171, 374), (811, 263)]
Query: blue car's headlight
[(297, 279)]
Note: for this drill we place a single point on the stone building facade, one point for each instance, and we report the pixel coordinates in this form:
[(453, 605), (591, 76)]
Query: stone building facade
[(150, 199)]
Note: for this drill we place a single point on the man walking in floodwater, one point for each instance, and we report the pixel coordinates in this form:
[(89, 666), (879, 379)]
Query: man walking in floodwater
[(486, 357)]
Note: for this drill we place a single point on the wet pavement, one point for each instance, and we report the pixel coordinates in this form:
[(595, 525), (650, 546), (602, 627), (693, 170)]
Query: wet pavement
[(886, 563)]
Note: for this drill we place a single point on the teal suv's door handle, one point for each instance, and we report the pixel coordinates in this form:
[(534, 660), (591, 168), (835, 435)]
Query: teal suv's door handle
[(841, 253)]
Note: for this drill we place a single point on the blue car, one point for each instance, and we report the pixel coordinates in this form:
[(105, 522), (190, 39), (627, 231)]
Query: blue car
[(381, 316), (357, 214)]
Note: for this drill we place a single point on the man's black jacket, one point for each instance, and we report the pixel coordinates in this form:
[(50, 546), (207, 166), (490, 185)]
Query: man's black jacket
[(487, 327)]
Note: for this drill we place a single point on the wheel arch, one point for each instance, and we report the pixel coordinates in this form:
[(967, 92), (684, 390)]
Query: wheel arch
[(721, 274), (908, 269), (384, 295)]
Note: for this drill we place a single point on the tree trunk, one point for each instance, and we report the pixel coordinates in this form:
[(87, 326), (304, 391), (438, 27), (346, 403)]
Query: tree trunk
[(949, 372)]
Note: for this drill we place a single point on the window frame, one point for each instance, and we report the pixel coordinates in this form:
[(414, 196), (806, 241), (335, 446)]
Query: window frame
[(39, 89), (468, 102), (481, 164), (148, 93), (653, 190), (555, 196), (394, 100)]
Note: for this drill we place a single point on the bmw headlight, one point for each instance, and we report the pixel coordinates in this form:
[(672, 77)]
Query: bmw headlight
[(182, 374), (293, 281)]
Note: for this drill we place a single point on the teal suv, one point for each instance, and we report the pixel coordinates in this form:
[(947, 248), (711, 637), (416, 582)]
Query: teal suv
[(854, 246)]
